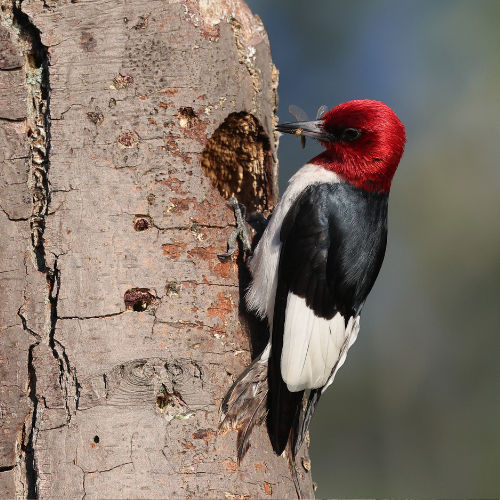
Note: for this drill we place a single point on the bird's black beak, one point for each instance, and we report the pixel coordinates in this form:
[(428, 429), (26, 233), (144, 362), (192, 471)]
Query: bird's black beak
[(312, 129)]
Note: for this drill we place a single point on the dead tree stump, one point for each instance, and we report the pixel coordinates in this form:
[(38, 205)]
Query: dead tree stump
[(123, 127)]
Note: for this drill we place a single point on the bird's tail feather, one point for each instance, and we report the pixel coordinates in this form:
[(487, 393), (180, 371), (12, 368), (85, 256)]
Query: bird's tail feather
[(299, 432), (245, 403), (293, 470)]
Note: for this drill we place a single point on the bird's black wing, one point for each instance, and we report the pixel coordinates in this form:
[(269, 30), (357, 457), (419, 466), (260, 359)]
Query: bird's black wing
[(333, 243)]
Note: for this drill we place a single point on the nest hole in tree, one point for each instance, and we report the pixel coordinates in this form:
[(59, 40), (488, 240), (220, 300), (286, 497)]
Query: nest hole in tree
[(238, 161)]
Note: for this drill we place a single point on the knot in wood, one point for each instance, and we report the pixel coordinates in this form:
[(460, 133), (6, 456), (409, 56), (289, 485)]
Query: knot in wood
[(138, 299)]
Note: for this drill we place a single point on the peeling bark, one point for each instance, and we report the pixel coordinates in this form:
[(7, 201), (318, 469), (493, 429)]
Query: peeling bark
[(120, 330)]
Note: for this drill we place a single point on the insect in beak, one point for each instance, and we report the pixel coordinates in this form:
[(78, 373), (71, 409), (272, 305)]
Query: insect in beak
[(301, 116), (300, 132)]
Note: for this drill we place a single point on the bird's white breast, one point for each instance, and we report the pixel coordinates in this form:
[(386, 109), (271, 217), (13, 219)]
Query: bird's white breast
[(264, 263)]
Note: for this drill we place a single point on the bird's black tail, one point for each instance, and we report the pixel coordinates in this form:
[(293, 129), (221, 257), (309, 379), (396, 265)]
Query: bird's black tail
[(288, 417), (285, 408)]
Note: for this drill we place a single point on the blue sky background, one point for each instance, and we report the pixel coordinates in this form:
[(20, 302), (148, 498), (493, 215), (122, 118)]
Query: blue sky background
[(415, 411)]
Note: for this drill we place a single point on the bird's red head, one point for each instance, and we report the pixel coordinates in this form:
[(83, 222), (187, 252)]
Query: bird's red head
[(364, 142)]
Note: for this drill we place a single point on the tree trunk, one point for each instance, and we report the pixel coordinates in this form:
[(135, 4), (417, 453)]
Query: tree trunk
[(123, 127)]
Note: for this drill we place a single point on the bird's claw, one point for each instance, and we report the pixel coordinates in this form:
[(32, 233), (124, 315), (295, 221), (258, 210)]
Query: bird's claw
[(240, 232)]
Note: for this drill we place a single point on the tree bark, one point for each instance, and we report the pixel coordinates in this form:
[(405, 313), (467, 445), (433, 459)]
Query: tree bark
[(123, 127)]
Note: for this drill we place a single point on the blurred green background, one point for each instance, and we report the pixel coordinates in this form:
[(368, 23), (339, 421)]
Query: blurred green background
[(415, 411)]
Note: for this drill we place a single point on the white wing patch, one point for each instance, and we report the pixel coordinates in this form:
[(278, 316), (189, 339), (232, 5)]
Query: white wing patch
[(313, 348)]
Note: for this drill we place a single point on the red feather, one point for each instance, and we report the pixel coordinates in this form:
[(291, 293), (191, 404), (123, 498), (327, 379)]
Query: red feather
[(370, 161)]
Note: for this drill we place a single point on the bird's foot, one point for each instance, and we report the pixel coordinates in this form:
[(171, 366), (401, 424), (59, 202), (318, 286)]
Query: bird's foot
[(240, 232)]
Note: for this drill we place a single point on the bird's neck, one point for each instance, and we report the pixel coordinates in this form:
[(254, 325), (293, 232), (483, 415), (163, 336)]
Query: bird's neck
[(356, 171)]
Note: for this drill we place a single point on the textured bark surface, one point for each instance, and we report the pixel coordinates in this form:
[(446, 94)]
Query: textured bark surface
[(120, 331)]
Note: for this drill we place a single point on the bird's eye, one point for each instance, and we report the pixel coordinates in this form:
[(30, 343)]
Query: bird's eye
[(350, 134)]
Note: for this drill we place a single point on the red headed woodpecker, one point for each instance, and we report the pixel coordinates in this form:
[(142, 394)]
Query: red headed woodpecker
[(313, 268)]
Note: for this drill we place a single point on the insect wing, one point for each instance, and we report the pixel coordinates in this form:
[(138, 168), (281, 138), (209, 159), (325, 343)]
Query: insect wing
[(301, 116), (298, 113), (321, 111)]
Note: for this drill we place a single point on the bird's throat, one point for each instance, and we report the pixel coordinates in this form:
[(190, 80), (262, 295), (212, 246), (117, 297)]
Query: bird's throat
[(360, 172)]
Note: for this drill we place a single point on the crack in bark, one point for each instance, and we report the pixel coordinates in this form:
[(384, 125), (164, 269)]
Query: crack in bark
[(208, 283), (11, 158), (37, 87), (61, 115), (67, 375), (98, 316), (12, 120), (111, 468), (193, 227), (27, 446), (100, 471), (190, 227), (26, 328), (13, 68), (38, 123), (13, 219)]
